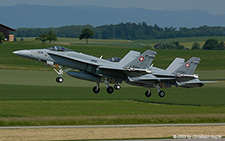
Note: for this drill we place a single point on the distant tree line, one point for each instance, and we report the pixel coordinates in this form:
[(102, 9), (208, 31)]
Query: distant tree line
[(210, 44), (130, 31), (213, 44), (169, 45)]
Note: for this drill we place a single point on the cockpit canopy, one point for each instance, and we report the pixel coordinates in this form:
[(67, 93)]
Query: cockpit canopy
[(114, 59), (59, 48)]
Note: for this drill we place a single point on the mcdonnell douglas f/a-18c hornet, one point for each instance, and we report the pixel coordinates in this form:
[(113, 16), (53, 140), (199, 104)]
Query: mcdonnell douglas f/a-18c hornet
[(135, 69)]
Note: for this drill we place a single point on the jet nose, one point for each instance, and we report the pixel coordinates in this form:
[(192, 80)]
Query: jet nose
[(15, 52), (23, 53)]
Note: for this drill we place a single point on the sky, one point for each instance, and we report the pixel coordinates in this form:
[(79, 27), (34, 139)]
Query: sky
[(215, 7)]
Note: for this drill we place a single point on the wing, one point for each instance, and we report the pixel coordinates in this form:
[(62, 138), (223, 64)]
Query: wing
[(63, 58), (194, 83)]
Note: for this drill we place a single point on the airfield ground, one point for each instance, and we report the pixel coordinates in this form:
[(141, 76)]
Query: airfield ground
[(181, 132), (29, 94)]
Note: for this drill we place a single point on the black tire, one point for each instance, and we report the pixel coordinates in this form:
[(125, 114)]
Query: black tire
[(162, 94), (147, 94), (117, 87), (57, 80), (96, 90), (60, 79), (110, 90)]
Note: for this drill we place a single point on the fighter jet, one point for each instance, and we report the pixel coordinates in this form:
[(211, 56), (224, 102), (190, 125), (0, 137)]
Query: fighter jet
[(179, 74), (88, 67), (134, 68)]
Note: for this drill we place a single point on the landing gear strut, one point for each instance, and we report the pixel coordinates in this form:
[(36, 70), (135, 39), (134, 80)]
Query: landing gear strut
[(161, 93), (60, 73), (96, 89), (148, 93), (109, 89)]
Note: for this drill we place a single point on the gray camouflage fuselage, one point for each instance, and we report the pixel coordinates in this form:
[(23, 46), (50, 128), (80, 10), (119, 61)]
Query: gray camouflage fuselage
[(134, 69)]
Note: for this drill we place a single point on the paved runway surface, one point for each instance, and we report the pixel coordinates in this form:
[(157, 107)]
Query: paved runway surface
[(113, 126)]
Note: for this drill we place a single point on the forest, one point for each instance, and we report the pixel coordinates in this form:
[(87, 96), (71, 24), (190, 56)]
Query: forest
[(130, 31)]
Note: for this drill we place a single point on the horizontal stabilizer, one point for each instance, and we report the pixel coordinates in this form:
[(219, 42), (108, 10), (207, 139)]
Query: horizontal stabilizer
[(194, 83)]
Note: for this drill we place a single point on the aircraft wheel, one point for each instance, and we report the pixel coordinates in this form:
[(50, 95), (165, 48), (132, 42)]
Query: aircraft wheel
[(59, 79), (117, 86), (162, 94), (148, 94), (96, 90), (110, 90)]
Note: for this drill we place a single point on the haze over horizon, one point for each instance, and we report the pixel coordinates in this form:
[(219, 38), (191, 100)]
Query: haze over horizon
[(165, 13), (215, 7)]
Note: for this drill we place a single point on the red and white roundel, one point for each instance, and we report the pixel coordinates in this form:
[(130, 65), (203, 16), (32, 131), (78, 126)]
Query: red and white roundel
[(141, 59), (187, 65)]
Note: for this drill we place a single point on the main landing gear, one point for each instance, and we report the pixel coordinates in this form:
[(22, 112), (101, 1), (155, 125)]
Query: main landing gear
[(161, 93), (109, 89)]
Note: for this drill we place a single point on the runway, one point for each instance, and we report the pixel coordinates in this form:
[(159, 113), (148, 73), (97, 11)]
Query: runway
[(115, 132), (113, 126)]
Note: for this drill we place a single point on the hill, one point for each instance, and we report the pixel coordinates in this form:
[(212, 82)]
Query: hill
[(54, 16)]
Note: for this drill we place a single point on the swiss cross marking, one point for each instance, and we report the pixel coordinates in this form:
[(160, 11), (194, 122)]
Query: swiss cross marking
[(141, 59), (187, 65)]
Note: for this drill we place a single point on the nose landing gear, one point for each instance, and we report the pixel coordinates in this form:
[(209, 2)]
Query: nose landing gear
[(60, 73), (59, 79)]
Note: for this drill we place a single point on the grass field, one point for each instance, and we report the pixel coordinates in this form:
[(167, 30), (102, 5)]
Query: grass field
[(187, 41), (29, 94), (34, 98)]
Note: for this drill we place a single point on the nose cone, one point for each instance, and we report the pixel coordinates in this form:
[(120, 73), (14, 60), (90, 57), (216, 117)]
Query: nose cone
[(23, 53)]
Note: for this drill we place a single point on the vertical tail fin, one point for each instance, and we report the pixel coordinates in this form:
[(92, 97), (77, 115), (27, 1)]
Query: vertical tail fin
[(178, 62), (189, 67), (143, 61), (128, 58)]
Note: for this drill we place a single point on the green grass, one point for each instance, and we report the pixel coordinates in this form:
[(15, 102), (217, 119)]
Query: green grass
[(186, 41), (64, 112), (175, 96), (34, 98), (29, 96)]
